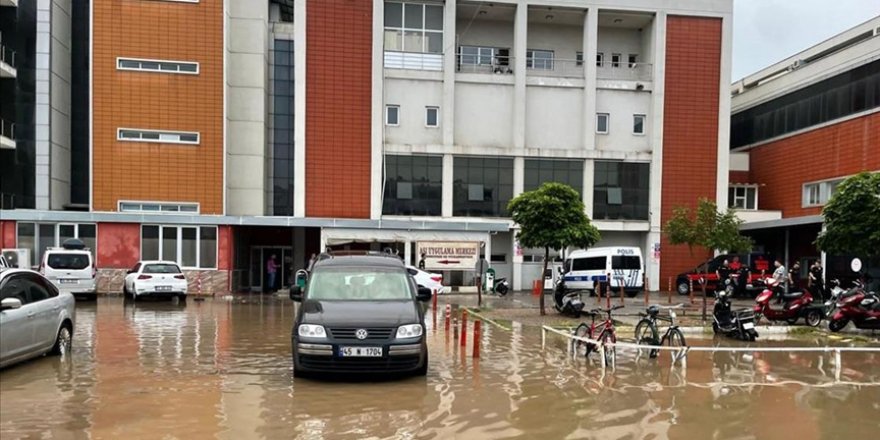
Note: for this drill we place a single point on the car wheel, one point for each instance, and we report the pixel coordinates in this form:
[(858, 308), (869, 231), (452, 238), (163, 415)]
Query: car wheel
[(684, 288), (63, 341)]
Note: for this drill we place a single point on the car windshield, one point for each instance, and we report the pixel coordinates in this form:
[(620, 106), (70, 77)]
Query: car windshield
[(359, 284), (68, 261), (161, 268)]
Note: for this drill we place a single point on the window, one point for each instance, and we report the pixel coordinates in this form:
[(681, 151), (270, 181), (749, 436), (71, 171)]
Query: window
[(538, 171), (165, 137), (186, 67), (579, 58), (483, 56), (615, 60), (392, 115), (625, 262), (632, 60), (432, 116), (481, 186), (413, 185), (158, 207), (638, 124), (818, 193), (413, 27), (600, 59), (591, 263), (620, 190), (37, 237), (539, 59), (280, 176), (742, 197), (498, 258), (602, 120), (188, 246)]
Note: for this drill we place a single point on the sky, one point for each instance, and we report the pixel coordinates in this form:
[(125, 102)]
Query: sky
[(767, 31)]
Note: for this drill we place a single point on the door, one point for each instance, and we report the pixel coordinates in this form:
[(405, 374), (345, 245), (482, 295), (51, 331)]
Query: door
[(256, 269), (46, 308), (16, 328)]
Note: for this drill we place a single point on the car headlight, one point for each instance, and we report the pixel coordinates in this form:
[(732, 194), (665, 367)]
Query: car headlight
[(312, 331), (409, 331)]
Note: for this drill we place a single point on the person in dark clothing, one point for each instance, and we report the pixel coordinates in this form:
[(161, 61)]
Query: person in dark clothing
[(723, 272), (422, 262), (794, 275), (817, 284)]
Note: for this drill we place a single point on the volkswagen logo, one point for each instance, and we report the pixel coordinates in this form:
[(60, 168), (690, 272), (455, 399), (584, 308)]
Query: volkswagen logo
[(361, 333)]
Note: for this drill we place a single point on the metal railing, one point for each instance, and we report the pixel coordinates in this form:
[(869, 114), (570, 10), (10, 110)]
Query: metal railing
[(499, 65), (413, 60), (7, 129), (7, 55), (624, 71), (555, 67)]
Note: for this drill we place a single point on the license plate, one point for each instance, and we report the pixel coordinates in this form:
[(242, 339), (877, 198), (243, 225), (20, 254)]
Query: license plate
[(748, 325), (360, 351), (67, 281), (163, 288)]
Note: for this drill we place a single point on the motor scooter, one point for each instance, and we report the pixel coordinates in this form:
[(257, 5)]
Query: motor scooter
[(567, 302), (501, 286), (796, 305), (739, 324), (860, 307)]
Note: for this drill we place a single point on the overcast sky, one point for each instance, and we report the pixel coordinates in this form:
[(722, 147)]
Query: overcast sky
[(767, 31)]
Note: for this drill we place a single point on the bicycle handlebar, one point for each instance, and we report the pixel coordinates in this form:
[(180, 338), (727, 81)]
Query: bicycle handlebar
[(606, 310)]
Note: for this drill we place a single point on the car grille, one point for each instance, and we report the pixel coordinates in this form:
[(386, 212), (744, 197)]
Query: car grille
[(373, 334), (384, 364)]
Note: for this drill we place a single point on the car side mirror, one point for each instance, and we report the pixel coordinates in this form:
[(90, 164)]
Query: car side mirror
[(10, 304), (129, 272), (423, 294), (296, 293)]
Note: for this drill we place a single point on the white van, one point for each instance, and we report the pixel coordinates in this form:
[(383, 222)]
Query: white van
[(71, 268), (583, 269)]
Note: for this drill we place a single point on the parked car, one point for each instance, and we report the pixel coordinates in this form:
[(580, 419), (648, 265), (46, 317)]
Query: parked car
[(359, 314), (35, 317), (758, 263), (583, 268), (71, 268), (162, 279), (433, 281)]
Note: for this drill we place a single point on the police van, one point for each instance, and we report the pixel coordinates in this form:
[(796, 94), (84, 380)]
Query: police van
[(584, 269)]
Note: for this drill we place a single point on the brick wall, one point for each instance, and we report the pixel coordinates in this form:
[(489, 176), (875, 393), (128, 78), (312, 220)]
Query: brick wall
[(690, 125), (834, 151), (176, 31), (338, 107), (739, 177)]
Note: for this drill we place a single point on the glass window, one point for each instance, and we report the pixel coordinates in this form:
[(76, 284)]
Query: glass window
[(67, 261), (600, 59), (434, 17), (350, 284), (169, 243), (47, 239), (579, 58), (434, 42), (188, 247), (621, 190), (36, 292), (393, 15), (591, 263), (150, 243), (66, 232), (88, 234), (393, 39), (742, 197), (625, 262), (412, 17), (539, 171), (631, 60), (539, 59), (811, 195), (392, 115), (615, 60), (638, 124), (602, 120), (494, 175), (208, 247), (161, 268), (413, 185), (432, 116)]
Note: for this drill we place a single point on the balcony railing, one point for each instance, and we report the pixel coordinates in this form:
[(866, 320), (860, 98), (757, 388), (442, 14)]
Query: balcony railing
[(7, 55), (499, 65), (555, 67), (7, 129), (413, 60), (625, 71)]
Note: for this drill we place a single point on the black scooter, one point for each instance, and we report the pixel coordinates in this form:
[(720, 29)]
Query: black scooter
[(567, 302), (739, 324)]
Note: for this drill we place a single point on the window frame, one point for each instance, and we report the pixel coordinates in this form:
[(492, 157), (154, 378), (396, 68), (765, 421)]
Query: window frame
[(825, 190), (644, 124), (744, 197), (403, 28), (37, 257), (616, 64), (600, 59), (428, 109), (632, 60), (160, 205), (179, 244), (142, 131), (607, 123), (389, 107), (530, 59), (179, 63)]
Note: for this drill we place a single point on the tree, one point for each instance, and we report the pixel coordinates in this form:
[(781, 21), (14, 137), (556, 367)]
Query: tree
[(552, 217), (709, 229), (852, 218)]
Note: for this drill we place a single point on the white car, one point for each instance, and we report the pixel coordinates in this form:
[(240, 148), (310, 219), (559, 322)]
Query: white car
[(433, 281), (71, 268), (35, 318), (156, 279)]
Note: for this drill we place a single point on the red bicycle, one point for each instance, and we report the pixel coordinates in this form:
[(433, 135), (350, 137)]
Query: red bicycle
[(603, 332)]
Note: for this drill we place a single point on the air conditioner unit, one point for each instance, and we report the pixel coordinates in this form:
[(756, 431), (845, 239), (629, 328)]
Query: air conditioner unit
[(20, 258)]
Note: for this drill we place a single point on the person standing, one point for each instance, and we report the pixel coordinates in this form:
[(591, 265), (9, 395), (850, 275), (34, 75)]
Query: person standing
[(271, 270), (422, 262), (794, 276), (817, 282), (779, 275), (723, 273)]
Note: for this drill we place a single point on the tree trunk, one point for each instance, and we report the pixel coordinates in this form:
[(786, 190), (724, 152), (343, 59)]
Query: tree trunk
[(543, 271)]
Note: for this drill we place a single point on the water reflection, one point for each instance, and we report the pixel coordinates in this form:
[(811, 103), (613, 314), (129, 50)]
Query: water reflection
[(222, 370)]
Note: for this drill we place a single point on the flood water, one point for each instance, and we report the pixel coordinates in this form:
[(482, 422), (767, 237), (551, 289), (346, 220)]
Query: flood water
[(215, 369)]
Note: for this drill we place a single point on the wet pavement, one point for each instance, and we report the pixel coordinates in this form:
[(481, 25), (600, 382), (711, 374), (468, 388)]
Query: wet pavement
[(219, 369)]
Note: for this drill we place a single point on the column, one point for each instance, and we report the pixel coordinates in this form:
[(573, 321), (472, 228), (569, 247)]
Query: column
[(590, 43), (518, 175), (446, 210), (520, 42), (517, 262), (449, 50), (656, 134), (652, 265), (589, 173), (407, 253), (378, 122), (299, 113)]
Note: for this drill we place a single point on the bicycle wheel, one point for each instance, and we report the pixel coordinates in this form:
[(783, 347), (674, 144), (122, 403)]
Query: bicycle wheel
[(646, 334), (608, 337), (577, 346), (676, 339)]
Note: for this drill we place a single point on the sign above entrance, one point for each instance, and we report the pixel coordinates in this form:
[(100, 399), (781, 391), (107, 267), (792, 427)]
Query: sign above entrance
[(448, 255)]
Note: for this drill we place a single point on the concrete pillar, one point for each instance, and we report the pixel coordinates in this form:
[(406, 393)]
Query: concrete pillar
[(652, 265), (446, 210), (520, 42), (518, 175), (656, 136), (407, 253), (299, 114), (449, 50), (589, 172), (378, 116), (516, 262), (590, 42)]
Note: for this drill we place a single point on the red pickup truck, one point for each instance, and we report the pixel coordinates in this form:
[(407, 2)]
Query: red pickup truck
[(758, 264)]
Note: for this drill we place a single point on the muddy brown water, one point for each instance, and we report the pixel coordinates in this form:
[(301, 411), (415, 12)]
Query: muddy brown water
[(219, 370)]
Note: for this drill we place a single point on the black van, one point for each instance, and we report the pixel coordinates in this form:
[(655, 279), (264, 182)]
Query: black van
[(359, 314)]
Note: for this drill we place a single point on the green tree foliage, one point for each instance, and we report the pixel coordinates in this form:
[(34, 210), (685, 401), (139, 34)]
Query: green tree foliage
[(852, 218), (552, 217), (708, 229)]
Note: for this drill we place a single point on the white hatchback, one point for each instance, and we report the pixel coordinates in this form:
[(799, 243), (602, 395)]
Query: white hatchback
[(433, 281), (156, 279)]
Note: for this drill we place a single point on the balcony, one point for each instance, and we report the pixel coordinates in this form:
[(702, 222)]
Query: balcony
[(413, 61), (12, 3), (555, 68), (7, 61), (624, 71), (7, 135)]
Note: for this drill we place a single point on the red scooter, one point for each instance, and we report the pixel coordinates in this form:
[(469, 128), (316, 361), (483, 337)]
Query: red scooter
[(858, 306), (796, 305)]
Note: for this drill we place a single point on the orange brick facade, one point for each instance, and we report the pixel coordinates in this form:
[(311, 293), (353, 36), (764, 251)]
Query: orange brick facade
[(690, 126), (838, 150), (176, 31), (339, 60)]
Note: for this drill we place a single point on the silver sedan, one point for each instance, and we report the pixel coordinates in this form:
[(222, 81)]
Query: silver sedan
[(35, 318)]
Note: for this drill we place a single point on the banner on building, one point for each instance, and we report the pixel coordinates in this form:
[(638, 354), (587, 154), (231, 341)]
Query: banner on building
[(448, 255)]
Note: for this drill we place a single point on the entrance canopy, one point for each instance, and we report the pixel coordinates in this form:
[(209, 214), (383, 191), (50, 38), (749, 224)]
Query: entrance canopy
[(339, 236)]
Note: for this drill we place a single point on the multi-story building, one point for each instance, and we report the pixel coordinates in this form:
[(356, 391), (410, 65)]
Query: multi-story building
[(222, 132), (798, 128)]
